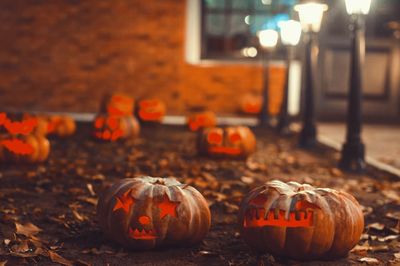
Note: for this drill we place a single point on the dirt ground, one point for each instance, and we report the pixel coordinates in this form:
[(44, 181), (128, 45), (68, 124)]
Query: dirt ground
[(47, 211)]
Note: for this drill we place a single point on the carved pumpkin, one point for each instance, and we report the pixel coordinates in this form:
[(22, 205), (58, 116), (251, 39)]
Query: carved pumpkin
[(251, 104), (117, 104), (148, 212), (300, 221), (111, 128), (151, 110), (21, 141), (201, 120), (226, 142)]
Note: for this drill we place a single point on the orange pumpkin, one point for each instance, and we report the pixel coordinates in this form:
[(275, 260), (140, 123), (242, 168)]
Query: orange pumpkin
[(233, 142), (21, 140), (117, 104), (111, 128), (151, 110), (300, 221), (251, 104), (201, 120), (57, 125), (147, 212)]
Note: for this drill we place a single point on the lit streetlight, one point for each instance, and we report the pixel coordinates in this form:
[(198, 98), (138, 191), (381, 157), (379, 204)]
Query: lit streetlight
[(268, 40), (290, 36), (353, 151), (310, 14)]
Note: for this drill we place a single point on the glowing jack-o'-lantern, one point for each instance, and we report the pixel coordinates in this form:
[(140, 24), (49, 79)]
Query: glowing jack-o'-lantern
[(226, 142), (147, 212), (151, 110), (201, 120), (56, 125), (118, 104), (111, 128), (251, 104), (21, 142), (300, 221)]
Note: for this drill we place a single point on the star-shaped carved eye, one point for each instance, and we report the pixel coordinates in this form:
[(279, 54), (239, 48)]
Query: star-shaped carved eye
[(124, 202), (167, 207)]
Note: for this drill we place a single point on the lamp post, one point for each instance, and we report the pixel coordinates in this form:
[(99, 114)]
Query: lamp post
[(290, 36), (268, 40), (353, 151), (310, 14)]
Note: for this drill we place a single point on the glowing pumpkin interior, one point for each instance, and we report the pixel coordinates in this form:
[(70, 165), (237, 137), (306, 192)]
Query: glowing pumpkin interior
[(145, 231), (25, 127), (107, 128), (149, 110), (224, 143), (300, 216)]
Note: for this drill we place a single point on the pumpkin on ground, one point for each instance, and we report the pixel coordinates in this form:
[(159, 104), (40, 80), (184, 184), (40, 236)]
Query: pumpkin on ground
[(235, 142), (118, 104), (19, 140), (147, 212), (151, 110), (57, 125), (300, 221), (111, 128), (201, 120)]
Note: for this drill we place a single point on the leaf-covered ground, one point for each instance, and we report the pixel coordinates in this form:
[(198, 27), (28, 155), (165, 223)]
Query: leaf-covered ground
[(47, 211)]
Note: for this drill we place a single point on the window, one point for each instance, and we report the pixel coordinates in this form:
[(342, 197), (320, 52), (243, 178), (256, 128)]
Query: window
[(229, 27)]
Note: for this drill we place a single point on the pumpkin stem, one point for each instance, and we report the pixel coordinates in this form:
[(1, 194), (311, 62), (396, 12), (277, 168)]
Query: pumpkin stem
[(159, 181)]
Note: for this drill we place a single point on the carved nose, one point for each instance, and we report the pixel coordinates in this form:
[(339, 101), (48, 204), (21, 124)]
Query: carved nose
[(144, 220)]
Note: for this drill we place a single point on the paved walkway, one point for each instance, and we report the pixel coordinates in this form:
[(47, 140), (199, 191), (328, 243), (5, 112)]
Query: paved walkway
[(382, 142)]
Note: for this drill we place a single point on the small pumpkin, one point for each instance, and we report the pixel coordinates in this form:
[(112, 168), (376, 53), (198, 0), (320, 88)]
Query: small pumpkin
[(111, 128), (201, 120), (57, 125), (20, 140), (147, 212), (118, 104), (151, 110), (233, 142), (251, 104), (299, 221)]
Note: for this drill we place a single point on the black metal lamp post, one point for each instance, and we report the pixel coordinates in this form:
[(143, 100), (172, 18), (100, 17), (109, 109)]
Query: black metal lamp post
[(310, 14), (268, 40), (353, 151), (290, 36)]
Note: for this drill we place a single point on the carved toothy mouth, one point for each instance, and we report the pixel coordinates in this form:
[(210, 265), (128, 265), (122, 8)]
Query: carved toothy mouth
[(225, 150), (18, 146), (142, 234), (257, 218)]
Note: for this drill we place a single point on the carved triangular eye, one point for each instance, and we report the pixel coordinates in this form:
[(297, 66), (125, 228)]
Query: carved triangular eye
[(125, 202)]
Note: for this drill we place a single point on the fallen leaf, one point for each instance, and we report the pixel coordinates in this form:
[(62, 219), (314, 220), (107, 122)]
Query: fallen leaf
[(369, 260), (90, 188), (376, 226), (3, 263), (387, 238), (247, 180), (397, 255), (58, 259), (28, 229)]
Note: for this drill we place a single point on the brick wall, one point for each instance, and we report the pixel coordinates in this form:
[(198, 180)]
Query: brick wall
[(62, 55)]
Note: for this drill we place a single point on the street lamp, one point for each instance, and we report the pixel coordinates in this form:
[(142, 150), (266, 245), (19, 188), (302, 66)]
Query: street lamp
[(268, 40), (353, 151), (310, 14), (290, 36)]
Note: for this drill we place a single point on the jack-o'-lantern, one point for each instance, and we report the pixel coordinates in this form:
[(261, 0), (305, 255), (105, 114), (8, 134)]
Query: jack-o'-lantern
[(151, 110), (201, 120), (300, 221), (117, 104), (111, 128), (147, 212), (235, 142), (251, 104), (20, 142)]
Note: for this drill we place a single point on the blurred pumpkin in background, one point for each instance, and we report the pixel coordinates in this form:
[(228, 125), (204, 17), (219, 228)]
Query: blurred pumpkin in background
[(111, 127), (117, 104), (151, 110), (251, 104), (148, 212), (234, 142), (20, 141), (201, 120), (299, 221), (55, 125)]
